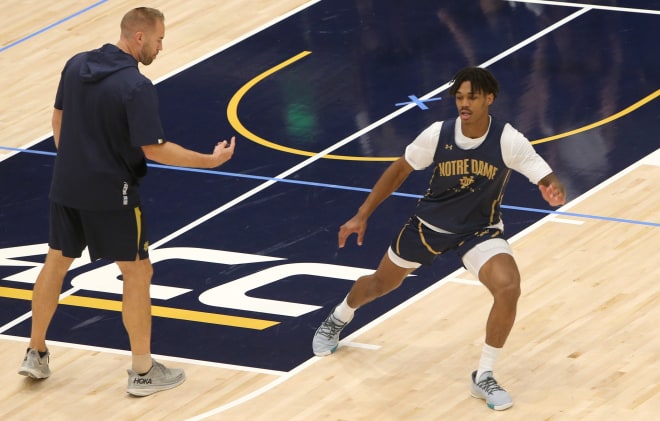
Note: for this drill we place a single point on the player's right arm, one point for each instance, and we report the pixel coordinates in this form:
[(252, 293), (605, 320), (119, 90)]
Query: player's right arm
[(387, 184), (418, 155)]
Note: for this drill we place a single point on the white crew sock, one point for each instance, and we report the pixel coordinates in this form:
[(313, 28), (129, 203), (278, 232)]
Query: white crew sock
[(487, 361), (344, 312)]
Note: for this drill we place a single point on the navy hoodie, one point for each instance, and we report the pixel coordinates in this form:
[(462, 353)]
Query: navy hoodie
[(109, 110)]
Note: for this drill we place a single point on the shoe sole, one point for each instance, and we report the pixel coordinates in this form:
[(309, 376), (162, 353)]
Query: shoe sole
[(33, 374), (150, 391), (326, 353), (490, 405)]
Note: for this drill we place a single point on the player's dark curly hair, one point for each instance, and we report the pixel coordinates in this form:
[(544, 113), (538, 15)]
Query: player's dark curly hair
[(481, 80)]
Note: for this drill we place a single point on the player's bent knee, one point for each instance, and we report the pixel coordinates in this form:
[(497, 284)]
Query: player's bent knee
[(382, 285)]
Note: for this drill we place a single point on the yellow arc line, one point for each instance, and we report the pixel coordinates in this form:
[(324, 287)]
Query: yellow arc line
[(232, 115), (159, 311), (613, 117)]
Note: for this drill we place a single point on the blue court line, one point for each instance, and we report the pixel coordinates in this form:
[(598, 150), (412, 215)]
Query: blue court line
[(59, 22), (9, 148), (359, 189)]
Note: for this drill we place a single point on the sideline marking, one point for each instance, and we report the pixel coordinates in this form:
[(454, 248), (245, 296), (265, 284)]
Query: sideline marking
[(361, 345), (461, 281), (567, 221)]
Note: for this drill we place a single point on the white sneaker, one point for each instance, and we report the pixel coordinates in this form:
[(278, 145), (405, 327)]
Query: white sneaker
[(326, 338), (34, 365), (157, 378), (487, 388)]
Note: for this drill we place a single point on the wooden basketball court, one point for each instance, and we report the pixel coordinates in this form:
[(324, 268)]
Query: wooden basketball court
[(585, 345)]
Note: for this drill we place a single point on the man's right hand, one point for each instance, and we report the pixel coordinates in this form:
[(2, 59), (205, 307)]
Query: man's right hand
[(223, 151)]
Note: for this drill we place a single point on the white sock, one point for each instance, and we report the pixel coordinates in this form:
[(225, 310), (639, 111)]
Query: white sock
[(344, 312), (487, 361)]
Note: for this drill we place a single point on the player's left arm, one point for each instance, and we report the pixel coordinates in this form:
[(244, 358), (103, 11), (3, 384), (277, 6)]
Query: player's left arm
[(519, 155), (552, 190)]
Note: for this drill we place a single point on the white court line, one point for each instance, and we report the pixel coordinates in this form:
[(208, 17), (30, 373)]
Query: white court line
[(592, 6), (653, 159), (361, 345), (461, 281), (568, 221)]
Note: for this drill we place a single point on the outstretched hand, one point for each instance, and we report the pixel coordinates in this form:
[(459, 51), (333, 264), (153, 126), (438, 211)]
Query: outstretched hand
[(223, 151), (553, 193), (355, 225)]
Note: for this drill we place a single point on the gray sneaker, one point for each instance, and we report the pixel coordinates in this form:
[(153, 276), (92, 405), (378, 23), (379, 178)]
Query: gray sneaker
[(326, 338), (157, 379), (34, 365), (488, 389)]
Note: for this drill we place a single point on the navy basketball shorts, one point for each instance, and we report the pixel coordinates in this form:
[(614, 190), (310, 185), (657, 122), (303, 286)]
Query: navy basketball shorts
[(418, 245), (117, 235)]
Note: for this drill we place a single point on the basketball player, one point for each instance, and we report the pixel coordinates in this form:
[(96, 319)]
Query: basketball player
[(473, 156), (105, 123)]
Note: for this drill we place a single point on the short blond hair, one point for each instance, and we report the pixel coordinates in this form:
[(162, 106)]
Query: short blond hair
[(140, 19)]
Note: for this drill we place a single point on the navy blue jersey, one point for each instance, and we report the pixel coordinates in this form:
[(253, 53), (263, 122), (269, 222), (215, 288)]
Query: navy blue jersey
[(109, 110), (466, 188)]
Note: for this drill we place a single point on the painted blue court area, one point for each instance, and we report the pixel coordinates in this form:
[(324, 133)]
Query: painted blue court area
[(246, 259)]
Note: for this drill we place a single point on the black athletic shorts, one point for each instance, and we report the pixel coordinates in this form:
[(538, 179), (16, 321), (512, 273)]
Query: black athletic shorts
[(418, 243), (117, 235)]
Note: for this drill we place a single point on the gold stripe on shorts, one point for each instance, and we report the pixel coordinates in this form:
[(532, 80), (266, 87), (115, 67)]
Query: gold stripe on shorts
[(427, 245), (138, 224)]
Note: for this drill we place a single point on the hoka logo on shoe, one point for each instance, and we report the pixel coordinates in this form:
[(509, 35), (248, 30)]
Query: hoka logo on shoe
[(141, 380)]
